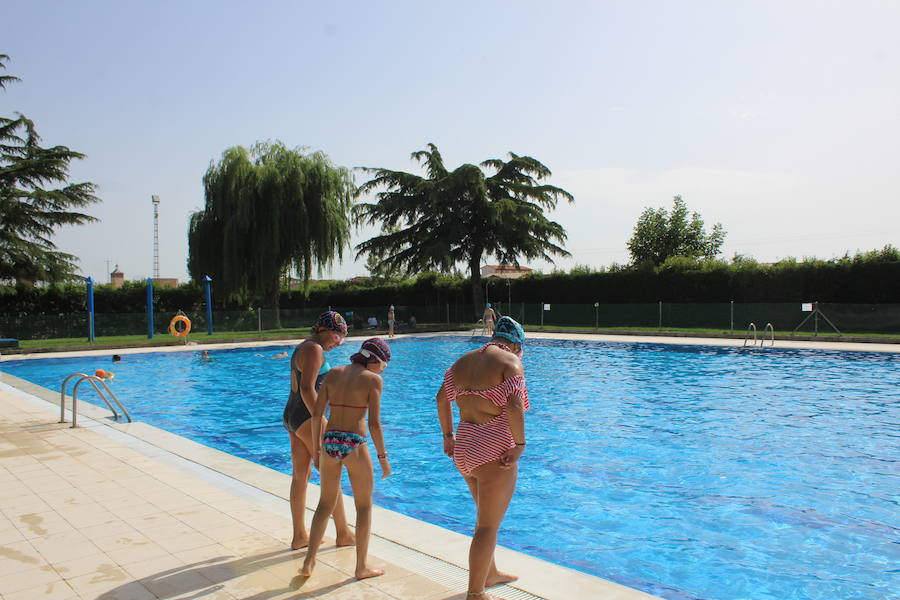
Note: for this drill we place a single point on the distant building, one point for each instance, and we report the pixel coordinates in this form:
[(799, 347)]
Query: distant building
[(117, 278), (504, 271), (166, 282)]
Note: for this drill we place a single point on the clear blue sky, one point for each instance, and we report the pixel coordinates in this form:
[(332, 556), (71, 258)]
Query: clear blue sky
[(780, 120)]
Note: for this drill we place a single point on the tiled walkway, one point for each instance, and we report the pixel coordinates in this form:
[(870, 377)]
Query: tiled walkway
[(86, 517)]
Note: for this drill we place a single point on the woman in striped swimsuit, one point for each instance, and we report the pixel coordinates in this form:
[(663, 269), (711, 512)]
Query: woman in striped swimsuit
[(488, 386)]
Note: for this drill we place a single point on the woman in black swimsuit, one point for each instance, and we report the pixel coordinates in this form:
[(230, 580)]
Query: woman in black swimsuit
[(308, 368)]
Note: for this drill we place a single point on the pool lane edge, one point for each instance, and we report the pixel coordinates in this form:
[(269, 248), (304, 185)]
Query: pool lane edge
[(537, 576)]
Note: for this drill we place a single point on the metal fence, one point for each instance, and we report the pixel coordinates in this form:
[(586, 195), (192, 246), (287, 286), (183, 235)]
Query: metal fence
[(725, 316)]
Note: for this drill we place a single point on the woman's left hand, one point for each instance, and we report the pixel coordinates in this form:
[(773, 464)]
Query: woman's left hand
[(509, 458), (448, 446)]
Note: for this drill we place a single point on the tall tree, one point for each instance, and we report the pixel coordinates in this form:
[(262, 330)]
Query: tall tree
[(269, 210), (660, 234), (35, 200), (461, 216)]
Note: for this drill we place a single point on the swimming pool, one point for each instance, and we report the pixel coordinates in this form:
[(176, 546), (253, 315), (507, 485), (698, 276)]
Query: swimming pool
[(684, 471)]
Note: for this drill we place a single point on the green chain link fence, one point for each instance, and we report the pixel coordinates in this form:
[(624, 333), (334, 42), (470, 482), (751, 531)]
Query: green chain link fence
[(726, 316)]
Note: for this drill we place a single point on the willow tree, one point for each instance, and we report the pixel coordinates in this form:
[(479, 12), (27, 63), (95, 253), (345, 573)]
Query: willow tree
[(269, 211), (35, 200), (462, 216)]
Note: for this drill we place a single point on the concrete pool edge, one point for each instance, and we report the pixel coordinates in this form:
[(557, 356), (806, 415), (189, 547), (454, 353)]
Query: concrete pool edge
[(537, 576), (624, 339)]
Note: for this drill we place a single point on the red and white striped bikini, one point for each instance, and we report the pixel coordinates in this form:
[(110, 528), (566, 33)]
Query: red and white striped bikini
[(477, 444)]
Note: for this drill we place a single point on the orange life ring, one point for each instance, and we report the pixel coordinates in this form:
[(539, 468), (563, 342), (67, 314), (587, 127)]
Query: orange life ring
[(179, 319)]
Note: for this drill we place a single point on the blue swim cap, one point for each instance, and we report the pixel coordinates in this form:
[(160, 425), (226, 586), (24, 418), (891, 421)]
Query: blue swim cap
[(508, 328), (488, 305)]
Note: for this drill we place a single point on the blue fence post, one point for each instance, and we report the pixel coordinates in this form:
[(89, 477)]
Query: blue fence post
[(90, 307), (209, 322), (149, 308)]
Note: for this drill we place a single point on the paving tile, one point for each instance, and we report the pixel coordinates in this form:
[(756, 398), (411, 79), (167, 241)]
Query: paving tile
[(69, 569), (19, 556), (64, 546), (126, 549), (184, 541), (47, 484), (107, 529), (28, 578), (411, 586), (87, 515), (10, 534), (56, 590), (182, 582), (253, 543), (21, 505), (104, 587), (213, 552), (213, 592), (257, 583), (155, 567), (33, 525)]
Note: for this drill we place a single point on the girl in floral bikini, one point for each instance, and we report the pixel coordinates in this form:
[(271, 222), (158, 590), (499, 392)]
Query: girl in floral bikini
[(351, 391), (488, 386)]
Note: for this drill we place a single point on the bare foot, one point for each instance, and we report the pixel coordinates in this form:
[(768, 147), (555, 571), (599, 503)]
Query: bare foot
[(345, 538), (481, 596), (499, 577), (307, 568), (299, 541), (368, 572)]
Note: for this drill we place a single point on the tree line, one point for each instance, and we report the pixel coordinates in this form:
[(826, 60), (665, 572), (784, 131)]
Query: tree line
[(678, 280)]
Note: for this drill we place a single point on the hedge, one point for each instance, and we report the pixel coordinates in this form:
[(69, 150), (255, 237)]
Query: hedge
[(872, 278)]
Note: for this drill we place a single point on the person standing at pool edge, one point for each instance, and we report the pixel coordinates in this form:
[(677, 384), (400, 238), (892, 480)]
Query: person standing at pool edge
[(391, 319), (488, 318), (351, 391), (308, 368), (488, 386)]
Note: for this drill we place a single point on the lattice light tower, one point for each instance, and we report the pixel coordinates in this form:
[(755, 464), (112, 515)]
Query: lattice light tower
[(155, 200)]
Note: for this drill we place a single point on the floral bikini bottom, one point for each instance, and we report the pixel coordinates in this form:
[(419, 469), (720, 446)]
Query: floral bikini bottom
[(339, 444)]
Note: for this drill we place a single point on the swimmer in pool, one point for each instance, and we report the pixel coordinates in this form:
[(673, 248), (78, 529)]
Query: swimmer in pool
[(351, 392)]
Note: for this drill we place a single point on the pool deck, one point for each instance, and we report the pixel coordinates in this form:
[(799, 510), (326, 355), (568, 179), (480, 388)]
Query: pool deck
[(127, 511)]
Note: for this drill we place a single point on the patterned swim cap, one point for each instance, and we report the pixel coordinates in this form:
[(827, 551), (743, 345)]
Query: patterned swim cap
[(371, 350), (330, 321), (509, 329)]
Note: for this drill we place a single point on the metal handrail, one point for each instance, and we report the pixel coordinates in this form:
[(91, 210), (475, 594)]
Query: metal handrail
[(94, 380), (768, 328), (751, 327)]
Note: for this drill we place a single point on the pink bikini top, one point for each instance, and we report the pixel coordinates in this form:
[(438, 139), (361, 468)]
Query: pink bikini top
[(498, 395)]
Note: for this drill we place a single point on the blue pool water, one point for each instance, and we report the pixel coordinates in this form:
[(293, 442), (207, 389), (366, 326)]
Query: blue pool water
[(687, 472)]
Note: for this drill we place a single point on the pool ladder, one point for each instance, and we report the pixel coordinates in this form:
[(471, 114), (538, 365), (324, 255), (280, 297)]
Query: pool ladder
[(751, 330), (97, 383)]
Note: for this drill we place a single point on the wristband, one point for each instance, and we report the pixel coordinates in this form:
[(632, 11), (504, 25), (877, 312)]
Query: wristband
[(518, 444), (448, 436), (380, 456)]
